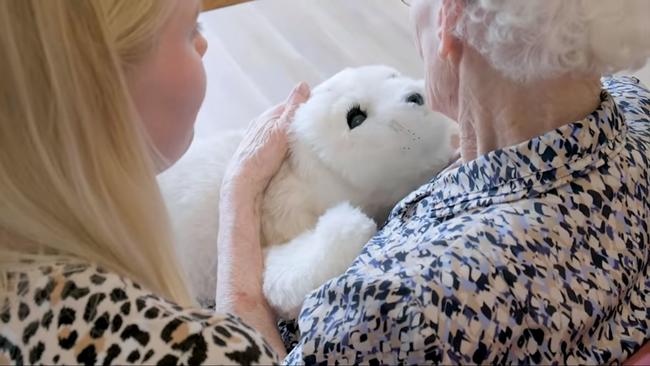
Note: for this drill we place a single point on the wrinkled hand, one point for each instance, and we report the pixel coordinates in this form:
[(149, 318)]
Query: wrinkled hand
[(264, 147), (241, 260)]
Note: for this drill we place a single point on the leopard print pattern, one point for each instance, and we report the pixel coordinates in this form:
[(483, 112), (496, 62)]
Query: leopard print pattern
[(532, 254), (67, 313)]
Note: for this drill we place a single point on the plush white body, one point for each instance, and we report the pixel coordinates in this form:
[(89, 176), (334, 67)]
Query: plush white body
[(322, 206)]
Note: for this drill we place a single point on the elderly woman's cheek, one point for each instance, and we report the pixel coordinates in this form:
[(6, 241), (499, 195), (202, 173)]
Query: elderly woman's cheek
[(432, 73), (422, 17)]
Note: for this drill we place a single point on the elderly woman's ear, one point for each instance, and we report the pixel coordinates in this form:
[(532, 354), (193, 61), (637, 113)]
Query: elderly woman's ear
[(450, 47), (435, 28)]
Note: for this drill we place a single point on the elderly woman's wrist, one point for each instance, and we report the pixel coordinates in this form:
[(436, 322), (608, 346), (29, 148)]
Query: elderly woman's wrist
[(238, 198), (241, 189)]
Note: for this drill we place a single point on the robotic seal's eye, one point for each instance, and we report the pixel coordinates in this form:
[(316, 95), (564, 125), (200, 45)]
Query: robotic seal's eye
[(356, 117), (415, 98)]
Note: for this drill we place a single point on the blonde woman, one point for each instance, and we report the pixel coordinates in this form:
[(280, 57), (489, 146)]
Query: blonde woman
[(95, 98)]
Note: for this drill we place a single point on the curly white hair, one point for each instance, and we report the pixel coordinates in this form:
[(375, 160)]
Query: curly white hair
[(535, 39)]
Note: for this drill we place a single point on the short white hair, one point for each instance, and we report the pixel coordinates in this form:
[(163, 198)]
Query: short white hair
[(536, 39)]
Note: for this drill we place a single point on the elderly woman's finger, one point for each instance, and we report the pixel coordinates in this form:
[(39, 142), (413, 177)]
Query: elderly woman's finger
[(299, 95)]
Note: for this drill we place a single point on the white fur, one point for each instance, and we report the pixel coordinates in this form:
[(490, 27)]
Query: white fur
[(310, 226), (304, 263)]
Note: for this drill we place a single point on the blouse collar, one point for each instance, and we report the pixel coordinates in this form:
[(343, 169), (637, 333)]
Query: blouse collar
[(530, 167)]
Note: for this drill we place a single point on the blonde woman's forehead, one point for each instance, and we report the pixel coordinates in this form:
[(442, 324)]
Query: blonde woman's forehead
[(185, 11), (194, 5), (189, 6)]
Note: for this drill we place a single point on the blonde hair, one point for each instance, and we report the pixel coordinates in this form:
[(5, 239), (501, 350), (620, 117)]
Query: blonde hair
[(77, 177)]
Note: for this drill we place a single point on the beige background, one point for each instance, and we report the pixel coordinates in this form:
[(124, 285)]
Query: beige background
[(259, 50)]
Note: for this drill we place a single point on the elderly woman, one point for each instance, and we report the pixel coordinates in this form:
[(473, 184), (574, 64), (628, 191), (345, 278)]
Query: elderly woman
[(533, 247)]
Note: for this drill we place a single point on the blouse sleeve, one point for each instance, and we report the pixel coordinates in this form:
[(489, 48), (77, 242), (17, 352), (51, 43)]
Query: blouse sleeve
[(88, 316)]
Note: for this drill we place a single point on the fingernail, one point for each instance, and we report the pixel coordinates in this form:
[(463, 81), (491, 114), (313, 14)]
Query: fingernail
[(301, 90)]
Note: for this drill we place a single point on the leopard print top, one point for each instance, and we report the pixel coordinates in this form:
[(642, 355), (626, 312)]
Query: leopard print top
[(532, 254), (80, 314)]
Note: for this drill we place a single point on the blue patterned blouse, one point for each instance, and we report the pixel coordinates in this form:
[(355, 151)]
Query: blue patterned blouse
[(536, 253)]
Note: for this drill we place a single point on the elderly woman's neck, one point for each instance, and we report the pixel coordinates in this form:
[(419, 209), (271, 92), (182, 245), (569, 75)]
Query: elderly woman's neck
[(495, 112)]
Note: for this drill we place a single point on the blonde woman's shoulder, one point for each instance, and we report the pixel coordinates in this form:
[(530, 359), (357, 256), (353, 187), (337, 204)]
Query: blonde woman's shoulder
[(76, 313)]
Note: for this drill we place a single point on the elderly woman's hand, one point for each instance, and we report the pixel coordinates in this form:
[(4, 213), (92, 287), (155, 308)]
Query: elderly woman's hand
[(240, 260), (263, 148)]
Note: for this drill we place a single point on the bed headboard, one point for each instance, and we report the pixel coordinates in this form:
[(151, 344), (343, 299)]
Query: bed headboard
[(214, 4)]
